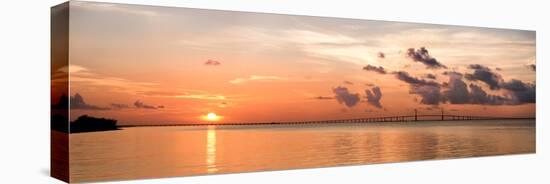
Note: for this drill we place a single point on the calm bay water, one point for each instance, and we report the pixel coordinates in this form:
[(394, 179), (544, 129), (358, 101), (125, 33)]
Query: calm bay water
[(146, 152)]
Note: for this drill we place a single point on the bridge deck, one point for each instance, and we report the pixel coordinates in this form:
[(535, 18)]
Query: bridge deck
[(358, 120)]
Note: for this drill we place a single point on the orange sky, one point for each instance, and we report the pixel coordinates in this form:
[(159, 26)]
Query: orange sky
[(143, 64)]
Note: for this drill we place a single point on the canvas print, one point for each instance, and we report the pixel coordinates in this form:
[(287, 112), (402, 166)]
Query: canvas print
[(147, 91)]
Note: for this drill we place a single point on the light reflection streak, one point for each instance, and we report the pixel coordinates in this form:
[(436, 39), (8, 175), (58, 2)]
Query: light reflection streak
[(211, 149)]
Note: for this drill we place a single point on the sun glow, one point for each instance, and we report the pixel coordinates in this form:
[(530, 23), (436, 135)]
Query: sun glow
[(211, 117)]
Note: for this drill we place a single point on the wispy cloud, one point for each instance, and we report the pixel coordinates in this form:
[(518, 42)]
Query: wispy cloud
[(256, 78), (186, 94), (140, 105), (212, 62), (72, 69), (119, 8), (80, 74), (83, 75)]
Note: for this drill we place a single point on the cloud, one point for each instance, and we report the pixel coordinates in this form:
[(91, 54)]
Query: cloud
[(183, 93), (256, 78), (62, 103), (381, 55), (324, 98), (457, 92), (77, 102), (428, 90), (452, 73), (348, 82), (518, 91), (72, 69), (343, 96), (212, 62), (533, 67), (140, 105), (405, 77), (422, 55), (119, 106), (378, 69), (80, 74), (430, 94), (515, 92), (484, 74), (112, 7), (521, 92), (373, 97), (430, 76), (223, 105), (479, 96)]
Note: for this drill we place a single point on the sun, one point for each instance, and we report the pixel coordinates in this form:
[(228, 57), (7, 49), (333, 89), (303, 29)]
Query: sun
[(212, 117)]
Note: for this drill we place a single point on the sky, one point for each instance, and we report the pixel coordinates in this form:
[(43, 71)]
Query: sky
[(155, 65)]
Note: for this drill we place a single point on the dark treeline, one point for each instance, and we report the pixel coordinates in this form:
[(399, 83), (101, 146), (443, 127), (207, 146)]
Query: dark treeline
[(83, 123), (59, 122), (87, 123)]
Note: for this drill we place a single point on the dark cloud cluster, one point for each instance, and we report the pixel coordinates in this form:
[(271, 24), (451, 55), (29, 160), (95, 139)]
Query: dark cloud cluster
[(378, 69), (478, 96), (373, 97), (456, 91), (521, 92), (212, 62), (423, 56), (428, 90), (140, 105), (431, 95), (77, 102), (343, 96), (485, 75)]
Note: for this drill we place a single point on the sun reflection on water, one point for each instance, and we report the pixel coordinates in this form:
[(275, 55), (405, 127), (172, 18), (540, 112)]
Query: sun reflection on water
[(211, 149)]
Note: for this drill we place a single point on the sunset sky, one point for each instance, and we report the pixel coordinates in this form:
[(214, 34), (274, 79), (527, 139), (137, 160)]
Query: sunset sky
[(144, 64)]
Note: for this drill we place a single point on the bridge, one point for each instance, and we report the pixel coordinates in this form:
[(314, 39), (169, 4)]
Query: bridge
[(409, 118)]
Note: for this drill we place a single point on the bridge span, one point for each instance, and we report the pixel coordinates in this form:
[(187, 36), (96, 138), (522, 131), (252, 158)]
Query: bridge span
[(409, 118)]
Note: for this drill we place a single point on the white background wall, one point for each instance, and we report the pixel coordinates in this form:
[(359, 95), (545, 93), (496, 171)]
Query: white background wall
[(24, 90)]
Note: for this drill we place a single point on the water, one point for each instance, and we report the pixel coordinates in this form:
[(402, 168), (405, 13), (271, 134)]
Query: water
[(150, 152)]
